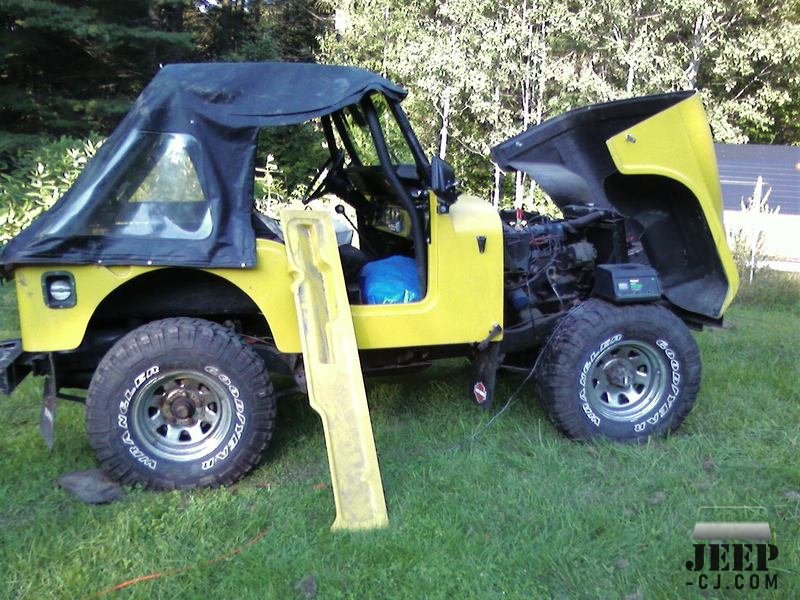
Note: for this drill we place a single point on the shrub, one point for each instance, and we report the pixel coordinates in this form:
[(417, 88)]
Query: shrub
[(38, 178), (269, 187), (748, 241), (772, 290)]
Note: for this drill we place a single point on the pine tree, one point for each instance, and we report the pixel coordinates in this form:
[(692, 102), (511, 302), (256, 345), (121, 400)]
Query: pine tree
[(72, 67)]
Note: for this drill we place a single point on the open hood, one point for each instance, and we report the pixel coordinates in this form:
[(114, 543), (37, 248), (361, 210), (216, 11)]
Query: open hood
[(652, 160)]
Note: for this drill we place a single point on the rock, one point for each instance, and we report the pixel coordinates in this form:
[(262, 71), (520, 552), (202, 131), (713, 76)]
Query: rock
[(307, 587), (92, 486)]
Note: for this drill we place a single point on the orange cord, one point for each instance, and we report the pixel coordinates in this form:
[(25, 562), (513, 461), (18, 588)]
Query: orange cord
[(236, 551)]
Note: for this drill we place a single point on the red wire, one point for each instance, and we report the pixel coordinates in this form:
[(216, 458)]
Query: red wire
[(236, 551)]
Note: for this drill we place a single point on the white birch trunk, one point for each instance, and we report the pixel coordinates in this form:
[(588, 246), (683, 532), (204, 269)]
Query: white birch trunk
[(700, 24), (496, 191), (445, 123)]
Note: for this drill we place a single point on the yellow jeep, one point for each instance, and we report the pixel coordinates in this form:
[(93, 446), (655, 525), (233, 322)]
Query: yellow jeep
[(153, 283)]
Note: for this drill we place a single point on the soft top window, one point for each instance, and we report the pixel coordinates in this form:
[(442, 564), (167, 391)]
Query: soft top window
[(173, 177), (153, 191)]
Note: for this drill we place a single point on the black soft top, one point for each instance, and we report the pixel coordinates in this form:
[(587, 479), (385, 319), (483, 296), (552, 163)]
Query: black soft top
[(205, 117), (234, 95)]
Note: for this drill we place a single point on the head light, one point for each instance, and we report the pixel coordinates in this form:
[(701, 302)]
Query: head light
[(59, 290)]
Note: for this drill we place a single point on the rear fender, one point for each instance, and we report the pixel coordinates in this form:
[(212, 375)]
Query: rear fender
[(46, 329)]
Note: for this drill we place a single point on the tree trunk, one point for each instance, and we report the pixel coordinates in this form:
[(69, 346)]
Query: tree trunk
[(496, 191), (700, 24), (542, 83), (445, 123), (526, 96), (519, 189), (634, 30), (631, 76), (498, 174)]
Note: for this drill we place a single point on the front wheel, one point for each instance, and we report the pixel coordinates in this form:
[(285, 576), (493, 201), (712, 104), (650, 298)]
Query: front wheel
[(621, 372), (180, 403)]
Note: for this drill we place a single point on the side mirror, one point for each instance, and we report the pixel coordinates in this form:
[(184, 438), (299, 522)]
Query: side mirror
[(443, 183)]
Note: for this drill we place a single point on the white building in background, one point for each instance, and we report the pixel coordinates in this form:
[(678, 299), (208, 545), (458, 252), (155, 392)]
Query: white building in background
[(740, 166)]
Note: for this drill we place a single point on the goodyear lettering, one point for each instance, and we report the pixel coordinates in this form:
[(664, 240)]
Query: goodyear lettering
[(590, 413), (674, 387), (238, 428)]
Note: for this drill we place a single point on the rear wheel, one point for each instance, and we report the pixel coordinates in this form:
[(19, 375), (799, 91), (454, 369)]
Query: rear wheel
[(622, 372), (180, 403)]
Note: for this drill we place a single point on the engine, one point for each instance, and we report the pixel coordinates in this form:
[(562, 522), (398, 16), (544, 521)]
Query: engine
[(549, 264)]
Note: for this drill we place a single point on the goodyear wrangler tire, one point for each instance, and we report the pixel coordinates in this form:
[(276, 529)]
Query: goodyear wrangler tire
[(180, 403), (622, 372)]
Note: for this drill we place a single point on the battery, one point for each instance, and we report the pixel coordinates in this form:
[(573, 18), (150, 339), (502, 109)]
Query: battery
[(629, 282)]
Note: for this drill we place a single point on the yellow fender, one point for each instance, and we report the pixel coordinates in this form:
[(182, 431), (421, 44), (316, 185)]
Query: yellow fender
[(333, 369), (677, 143)]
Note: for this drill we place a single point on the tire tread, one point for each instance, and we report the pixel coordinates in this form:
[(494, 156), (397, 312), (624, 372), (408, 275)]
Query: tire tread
[(158, 338), (567, 344)]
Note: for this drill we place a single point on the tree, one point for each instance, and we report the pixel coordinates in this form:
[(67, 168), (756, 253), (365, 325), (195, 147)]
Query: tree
[(487, 69), (751, 70), (254, 30), (70, 67), (479, 71)]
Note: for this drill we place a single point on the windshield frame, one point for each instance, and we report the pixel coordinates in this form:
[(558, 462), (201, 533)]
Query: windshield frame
[(359, 112)]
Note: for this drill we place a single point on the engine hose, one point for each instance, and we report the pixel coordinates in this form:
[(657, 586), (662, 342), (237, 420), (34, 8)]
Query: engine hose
[(574, 224)]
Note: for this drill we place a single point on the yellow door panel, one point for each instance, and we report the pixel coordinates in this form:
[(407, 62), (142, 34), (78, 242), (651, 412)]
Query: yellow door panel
[(333, 370), (465, 287)]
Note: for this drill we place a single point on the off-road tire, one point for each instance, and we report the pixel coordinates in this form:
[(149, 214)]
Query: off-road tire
[(180, 403), (621, 372)]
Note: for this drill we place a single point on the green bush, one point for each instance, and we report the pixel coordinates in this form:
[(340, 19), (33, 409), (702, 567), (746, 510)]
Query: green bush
[(38, 178)]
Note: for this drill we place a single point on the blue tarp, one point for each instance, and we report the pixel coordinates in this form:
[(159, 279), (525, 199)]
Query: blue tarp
[(392, 280)]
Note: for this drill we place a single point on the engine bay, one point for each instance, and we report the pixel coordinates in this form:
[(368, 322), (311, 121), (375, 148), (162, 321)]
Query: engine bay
[(549, 264)]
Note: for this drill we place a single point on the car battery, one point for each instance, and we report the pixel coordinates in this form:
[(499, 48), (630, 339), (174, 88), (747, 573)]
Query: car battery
[(630, 282)]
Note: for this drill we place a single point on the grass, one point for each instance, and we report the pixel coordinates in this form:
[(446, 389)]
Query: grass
[(520, 512)]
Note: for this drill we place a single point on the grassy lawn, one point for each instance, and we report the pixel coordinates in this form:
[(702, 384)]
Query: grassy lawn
[(520, 512)]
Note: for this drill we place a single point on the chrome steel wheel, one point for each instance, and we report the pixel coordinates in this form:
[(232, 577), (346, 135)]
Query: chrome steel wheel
[(627, 380), (180, 403), (181, 415), (624, 373)]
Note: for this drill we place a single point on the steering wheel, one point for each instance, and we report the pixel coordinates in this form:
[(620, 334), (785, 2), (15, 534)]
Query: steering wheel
[(321, 182)]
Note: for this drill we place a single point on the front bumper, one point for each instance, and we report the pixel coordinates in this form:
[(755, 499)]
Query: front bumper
[(14, 365)]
